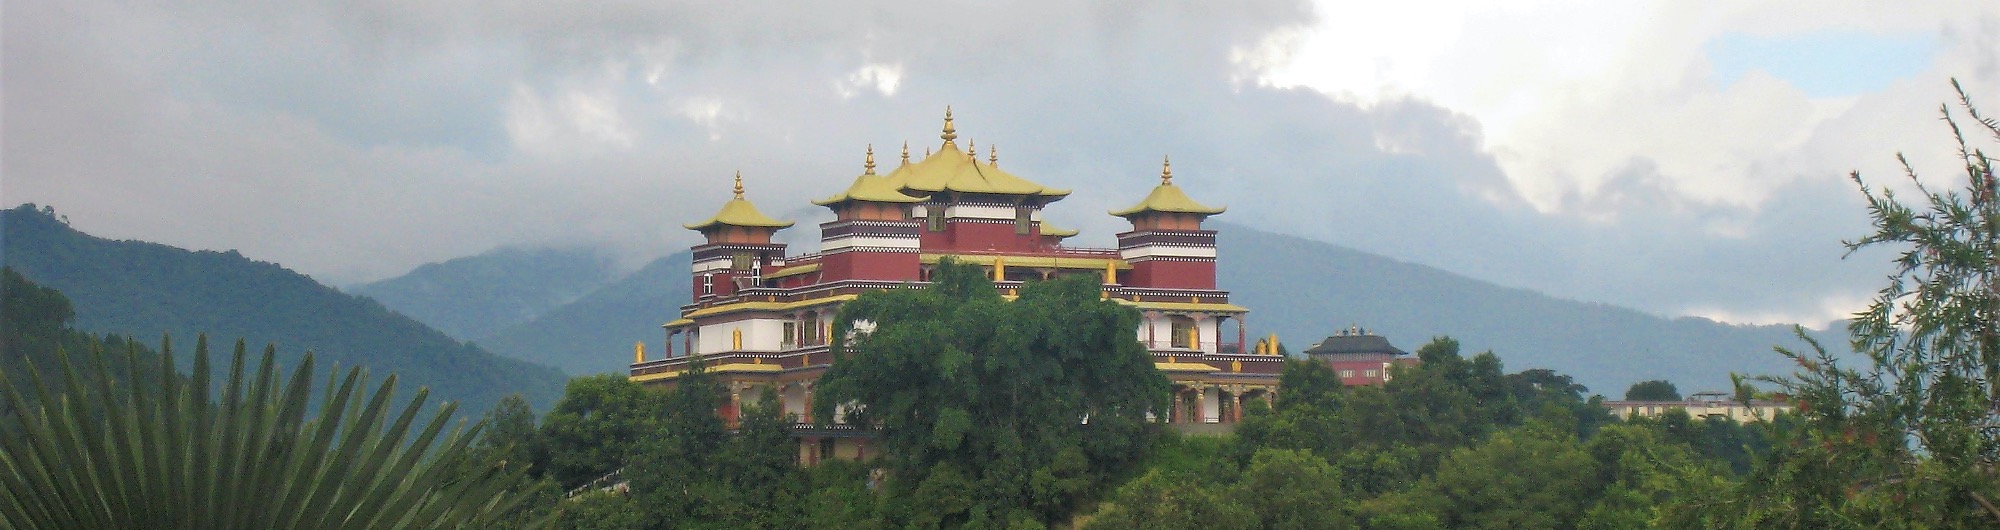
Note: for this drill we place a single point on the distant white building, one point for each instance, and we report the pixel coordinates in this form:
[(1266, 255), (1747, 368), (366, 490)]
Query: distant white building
[(1702, 405)]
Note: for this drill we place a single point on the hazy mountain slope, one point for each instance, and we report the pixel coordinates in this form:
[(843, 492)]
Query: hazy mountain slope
[(595, 333), (1304, 290), (475, 296), (143, 289)]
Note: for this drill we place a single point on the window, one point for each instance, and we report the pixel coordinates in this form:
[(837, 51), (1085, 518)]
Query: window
[(935, 217), (707, 283), (1369, 373), (810, 328), (1183, 332), (1346, 374), (791, 334), (1023, 220)]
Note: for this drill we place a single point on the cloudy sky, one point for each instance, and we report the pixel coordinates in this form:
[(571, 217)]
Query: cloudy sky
[(1676, 157)]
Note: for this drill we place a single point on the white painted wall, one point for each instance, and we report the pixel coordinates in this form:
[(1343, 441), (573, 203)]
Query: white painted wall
[(830, 245), (759, 335), (1165, 251)]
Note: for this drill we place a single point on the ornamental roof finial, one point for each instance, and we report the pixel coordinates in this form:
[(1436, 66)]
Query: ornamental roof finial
[(1166, 171), (971, 150), (739, 184), (906, 152), (993, 155), (871, 160), (950, 133)]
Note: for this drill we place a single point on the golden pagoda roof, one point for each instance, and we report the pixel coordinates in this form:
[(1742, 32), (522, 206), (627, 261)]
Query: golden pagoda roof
[(1167, 198), (869, 187), (739, 212), (959, 170), (1050, 230)]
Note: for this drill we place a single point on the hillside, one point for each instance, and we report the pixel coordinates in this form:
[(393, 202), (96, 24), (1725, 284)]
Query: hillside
[(595, 333), (1304, 290), (143, 289), (475, 296)]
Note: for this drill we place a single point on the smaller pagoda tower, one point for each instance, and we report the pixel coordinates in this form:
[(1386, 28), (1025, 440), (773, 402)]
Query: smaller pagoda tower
[(872, 236), (738, 250), (1167, 246)]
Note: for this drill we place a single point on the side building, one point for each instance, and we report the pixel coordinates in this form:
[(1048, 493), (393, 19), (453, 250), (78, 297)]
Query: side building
[(760, 316), (1702, 405), (1359, 357)]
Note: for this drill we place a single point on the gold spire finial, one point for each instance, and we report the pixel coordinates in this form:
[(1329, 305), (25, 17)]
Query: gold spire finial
[(993, 155), (638, 352), (950, 133), (971, 150), (1166, 171), (871, 160), (906, 152), (739, 184)]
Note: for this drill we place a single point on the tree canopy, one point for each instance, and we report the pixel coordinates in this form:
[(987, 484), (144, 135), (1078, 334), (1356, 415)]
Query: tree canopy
[(1014, 408)]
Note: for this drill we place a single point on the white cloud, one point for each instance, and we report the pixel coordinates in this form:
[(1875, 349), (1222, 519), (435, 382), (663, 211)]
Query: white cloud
[(881, 78), (1569, 92)]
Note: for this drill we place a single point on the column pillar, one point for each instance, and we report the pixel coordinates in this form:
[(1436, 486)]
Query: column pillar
[(1150, 343), (807, 416), (1236, 405), (735, 405)]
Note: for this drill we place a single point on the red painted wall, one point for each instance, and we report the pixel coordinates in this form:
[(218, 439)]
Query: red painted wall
[(896, 266), (1173, 274)]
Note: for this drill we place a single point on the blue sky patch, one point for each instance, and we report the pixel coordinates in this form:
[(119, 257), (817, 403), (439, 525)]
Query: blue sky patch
[(1824, 64)]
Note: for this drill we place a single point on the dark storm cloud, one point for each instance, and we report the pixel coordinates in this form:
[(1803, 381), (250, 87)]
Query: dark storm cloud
[(356, 140)]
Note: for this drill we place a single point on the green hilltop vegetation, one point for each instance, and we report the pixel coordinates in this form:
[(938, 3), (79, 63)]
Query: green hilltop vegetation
[(474, 296), (145, 289)]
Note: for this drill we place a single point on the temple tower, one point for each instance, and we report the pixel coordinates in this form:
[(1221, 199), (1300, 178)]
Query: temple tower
[(738, 250), (969, 205), (872, 235), (1167, 246)]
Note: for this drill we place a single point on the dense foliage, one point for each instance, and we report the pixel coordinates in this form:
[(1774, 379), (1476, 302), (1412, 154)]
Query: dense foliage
[(143, 289), (1006, 412), (1654, 390)]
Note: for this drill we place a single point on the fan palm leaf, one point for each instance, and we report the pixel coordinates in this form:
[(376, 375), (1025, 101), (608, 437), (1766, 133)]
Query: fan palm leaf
[(86, 450)]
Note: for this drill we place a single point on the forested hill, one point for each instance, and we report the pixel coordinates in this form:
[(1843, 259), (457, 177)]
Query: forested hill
[(1304, 290), (144, 289), (595, 333), (474, 296)]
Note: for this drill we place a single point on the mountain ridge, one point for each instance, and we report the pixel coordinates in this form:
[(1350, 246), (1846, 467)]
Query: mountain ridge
[(143, 289)]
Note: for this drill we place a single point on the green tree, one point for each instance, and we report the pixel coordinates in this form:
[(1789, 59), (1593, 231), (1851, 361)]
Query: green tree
[(1535, 476), (1654, 390), (1167, 501), (511, 437), (1913, 434), (1289, 489), (593, 429), (1026, 402), (167, 451)]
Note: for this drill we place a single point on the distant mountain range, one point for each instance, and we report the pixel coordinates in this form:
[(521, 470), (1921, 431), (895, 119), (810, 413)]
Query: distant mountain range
[(143, 289), (595, 333), (1303, 290), (478, 295)]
